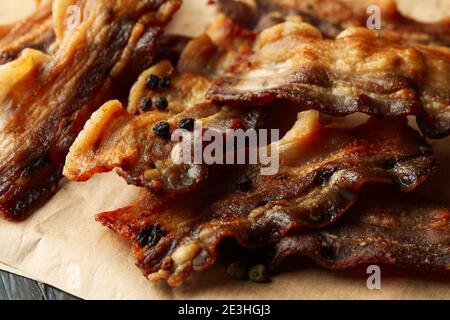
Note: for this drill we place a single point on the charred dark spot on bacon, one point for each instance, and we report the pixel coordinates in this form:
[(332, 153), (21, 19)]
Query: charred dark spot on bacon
[(324, 175), (150, 236), (143, 56), (245, 184), (36, 164), (390, 164), (153, 4), (170, 47), (44, 176)]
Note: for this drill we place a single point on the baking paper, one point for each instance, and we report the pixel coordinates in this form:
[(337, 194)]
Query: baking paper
[(63, 246)]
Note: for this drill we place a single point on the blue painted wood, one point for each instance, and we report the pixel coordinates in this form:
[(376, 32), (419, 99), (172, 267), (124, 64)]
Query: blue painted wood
[(13, 287)]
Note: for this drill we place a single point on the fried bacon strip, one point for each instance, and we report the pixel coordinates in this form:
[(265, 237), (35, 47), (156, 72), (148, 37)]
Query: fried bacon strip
[(361, 71), (115, 138), (401, 231), (34, 32), (125, 139), (46, 99), (331, 17), (322, 169)]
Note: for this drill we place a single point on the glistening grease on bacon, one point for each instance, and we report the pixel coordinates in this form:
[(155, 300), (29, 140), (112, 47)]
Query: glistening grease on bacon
[(331, 17), (46, 99), (322, 169), (396, 230), (361, 71)]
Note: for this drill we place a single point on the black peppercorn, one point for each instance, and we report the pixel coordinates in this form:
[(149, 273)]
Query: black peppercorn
[(325, 174), (152, 82), (245, 184), (161, 103), (145, 104), (165, 82), (391, 164), (162, 129), (187, 124), (258, 273)]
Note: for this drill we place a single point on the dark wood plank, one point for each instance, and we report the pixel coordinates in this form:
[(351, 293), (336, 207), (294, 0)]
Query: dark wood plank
[(13, 287)]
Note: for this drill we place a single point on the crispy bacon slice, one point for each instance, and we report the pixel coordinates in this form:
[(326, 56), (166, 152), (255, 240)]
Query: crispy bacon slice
[(361, 71), (396, 230), (321, 172), (45, 100), (331, 17), (34, 32), (116, 138)]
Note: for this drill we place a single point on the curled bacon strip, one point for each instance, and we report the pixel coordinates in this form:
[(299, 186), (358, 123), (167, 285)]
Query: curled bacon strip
[(361, 71), (331, 17), (46, 99), (322, 171), (400, 230)]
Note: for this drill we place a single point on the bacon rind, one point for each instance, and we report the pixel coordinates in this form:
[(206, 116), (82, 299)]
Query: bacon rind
[(174, 238), (361, 71), (47, 99), (397, 230)]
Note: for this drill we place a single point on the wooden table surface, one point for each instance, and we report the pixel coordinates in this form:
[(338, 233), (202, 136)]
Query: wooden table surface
[(13, 287)]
